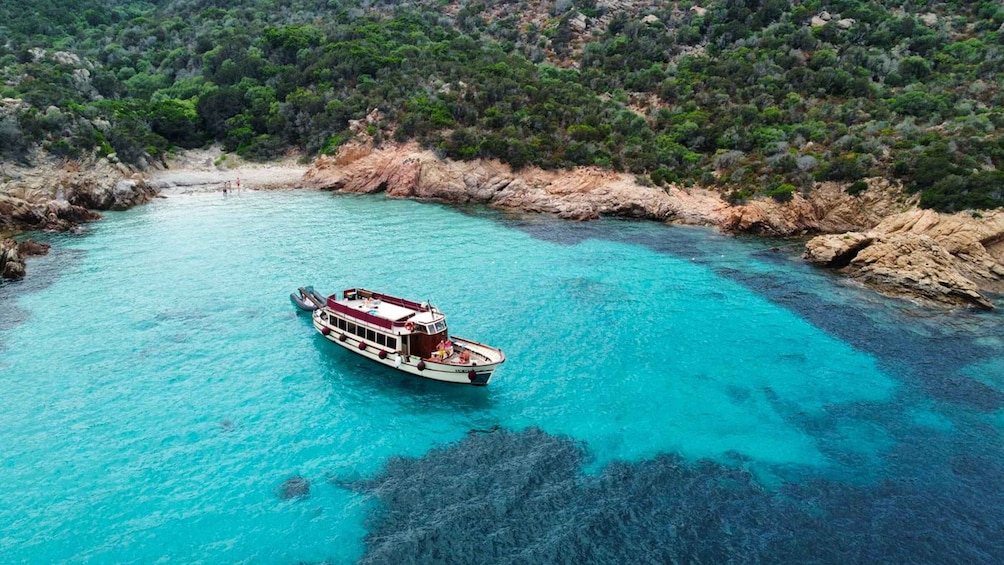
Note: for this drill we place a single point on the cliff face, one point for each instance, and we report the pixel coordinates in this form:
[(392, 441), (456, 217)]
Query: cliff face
[(946, 259)]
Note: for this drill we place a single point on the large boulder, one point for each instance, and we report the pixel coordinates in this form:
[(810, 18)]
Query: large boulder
[(916, 266), (836, 250)]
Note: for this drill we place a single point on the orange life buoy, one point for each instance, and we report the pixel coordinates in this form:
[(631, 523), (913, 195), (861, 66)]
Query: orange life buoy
[(409, 326)]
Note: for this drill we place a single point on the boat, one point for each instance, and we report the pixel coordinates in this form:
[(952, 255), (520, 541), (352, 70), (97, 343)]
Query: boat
[(409, 336), (307, 299)]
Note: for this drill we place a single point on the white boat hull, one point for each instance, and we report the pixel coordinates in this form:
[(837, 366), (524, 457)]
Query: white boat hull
[(474, 373)]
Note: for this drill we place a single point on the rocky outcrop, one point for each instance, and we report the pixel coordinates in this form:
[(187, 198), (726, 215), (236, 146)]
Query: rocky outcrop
[(60, 198), (945, 259), (18, 214), (586, 193), (916, 266), (122, 195), (828, 208), (13, 254), (11, 263), (581, 194)]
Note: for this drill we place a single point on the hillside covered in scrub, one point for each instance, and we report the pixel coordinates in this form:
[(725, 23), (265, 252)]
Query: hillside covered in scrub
[(752, 97)]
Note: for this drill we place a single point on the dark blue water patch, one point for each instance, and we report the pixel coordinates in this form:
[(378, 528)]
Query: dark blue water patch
[(545, 227), (520, 497), (930, 358)]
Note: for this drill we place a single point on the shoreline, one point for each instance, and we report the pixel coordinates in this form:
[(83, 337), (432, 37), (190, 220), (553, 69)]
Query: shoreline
[(278, 176), (935, 259)]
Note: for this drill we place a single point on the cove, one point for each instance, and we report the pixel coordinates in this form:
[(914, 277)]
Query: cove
[(159, 388)]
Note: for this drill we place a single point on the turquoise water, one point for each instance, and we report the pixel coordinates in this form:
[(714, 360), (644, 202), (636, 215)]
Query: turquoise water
[(158, 386)]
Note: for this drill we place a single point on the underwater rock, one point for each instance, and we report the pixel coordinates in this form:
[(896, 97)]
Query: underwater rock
[(295, 487), (30, 248)]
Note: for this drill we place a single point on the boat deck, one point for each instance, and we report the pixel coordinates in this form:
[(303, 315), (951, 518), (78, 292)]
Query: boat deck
[(480, 354), (379, 308)]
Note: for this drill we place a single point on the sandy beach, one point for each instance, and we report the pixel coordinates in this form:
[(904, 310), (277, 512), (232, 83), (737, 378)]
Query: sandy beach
[(209, 170)]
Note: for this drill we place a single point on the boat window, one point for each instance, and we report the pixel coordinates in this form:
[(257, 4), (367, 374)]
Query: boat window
[(392, 342), (341, 324), (351, 328), (371, 335), (381, 339), (440, 326)]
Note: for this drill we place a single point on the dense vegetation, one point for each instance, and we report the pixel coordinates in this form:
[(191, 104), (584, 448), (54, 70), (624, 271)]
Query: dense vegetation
[(754, 96)]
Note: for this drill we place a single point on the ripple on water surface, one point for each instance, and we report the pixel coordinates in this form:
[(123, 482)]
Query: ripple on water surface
[(160, 390)]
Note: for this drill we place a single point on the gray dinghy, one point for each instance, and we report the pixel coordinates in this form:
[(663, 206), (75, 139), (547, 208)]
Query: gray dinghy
[(307, 299)]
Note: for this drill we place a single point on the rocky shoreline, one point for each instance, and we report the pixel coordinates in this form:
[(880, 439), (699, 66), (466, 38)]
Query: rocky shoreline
[(877, 237), (952, 260), (59, 199), (408, 171)]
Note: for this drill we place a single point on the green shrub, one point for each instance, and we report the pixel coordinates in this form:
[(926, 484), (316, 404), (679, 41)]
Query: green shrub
[(782, 192), (663, 176), (738, 196), (856, 188)]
